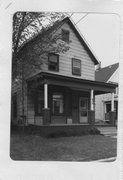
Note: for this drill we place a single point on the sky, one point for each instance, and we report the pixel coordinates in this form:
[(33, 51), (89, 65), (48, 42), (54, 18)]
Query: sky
[(101, 32)]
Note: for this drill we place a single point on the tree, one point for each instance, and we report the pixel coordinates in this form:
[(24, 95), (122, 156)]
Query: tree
[(27, 27)]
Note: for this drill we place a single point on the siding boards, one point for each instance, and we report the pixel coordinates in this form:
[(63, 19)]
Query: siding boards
[(76, 50), (30, 105)]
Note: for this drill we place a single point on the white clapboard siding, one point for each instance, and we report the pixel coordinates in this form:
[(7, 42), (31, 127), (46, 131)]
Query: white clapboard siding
[(76, 51), (99, 108), (30, 106)]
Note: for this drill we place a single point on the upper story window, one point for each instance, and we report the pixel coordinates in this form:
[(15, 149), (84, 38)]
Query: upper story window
[(53, 62), (65, 35), (76, 67)]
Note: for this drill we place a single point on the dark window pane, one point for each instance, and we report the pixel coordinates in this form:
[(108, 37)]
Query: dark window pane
[(76, 66), (53, 62), (65, 35), (83, 113), (58, 103), (108, 108), (83, 104)]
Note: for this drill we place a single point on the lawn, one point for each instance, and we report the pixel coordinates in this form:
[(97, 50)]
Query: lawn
[(81, 148)]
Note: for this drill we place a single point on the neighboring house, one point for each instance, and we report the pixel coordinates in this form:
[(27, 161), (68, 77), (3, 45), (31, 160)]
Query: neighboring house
[(62, 93), (109, 74)]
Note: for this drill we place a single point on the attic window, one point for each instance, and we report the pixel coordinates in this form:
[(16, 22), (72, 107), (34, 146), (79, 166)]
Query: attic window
[(65, 35), (76, 67), (53, 63)]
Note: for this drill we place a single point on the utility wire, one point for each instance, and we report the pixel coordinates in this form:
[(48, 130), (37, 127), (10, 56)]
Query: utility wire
[(81, 18), (71, 15)]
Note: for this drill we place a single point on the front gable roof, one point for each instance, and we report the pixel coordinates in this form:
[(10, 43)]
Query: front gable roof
[(58, 25), (104, 74), (82, 41)]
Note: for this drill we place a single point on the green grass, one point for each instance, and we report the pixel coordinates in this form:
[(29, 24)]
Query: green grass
[(81, 148)]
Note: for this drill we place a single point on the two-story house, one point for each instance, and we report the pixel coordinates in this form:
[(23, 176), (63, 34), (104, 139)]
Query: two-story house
[(108, 74), (62, 92)]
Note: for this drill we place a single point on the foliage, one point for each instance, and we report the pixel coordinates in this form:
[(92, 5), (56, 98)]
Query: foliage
[(34, 35), (27, 26)]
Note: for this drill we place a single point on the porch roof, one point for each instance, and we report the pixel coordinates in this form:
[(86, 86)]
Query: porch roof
[(72, 82)]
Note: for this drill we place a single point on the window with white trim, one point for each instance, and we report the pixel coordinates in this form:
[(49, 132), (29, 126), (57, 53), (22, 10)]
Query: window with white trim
[(76, 67), (53, 62), (58, 103)]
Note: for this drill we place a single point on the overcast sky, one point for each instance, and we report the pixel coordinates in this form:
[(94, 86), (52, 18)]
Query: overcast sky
[(101, 32)]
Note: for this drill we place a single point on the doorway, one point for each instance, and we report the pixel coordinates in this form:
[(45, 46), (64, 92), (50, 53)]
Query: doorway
[(83, 110)]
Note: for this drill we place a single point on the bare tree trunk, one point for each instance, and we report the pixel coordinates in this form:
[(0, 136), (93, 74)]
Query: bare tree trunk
[(23, 94)]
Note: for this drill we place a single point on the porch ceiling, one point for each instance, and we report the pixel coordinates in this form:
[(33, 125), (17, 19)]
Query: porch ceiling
[(76, 83)]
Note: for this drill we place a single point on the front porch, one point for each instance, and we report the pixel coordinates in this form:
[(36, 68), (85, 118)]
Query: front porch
[(60, 100)]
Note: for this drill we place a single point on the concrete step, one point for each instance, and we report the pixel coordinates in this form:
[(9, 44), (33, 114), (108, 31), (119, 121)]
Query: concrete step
[(108, 131)]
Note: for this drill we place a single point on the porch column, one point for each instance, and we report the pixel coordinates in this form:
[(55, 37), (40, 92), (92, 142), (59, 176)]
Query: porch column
[(91, 113), (92, 99), (112, 113), (45, 96), (46, 110), (112, 102)]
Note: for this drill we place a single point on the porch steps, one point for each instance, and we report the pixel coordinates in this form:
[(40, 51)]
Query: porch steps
[(108, 131)]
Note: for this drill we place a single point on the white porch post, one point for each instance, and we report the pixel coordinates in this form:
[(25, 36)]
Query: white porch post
[(112, 102), (45, 96), (92, 99)]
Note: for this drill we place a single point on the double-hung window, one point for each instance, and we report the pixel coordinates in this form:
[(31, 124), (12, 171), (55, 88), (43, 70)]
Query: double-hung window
[(76, 67), (58, 103), (65, 35), (53, 62)]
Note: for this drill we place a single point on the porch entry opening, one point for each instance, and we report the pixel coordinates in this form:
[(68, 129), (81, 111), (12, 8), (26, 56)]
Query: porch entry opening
[(83, 110)]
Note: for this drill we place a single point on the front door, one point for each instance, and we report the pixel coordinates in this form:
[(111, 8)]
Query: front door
[(83, 110)]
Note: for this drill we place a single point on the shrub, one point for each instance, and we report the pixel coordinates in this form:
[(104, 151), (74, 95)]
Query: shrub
[(94, 131), (83, 132)]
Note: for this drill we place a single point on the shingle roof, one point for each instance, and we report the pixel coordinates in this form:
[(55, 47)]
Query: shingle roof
[(105, 73)]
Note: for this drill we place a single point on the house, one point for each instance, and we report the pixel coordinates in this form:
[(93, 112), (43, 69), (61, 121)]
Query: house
[(62, 93), (108, 74)]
